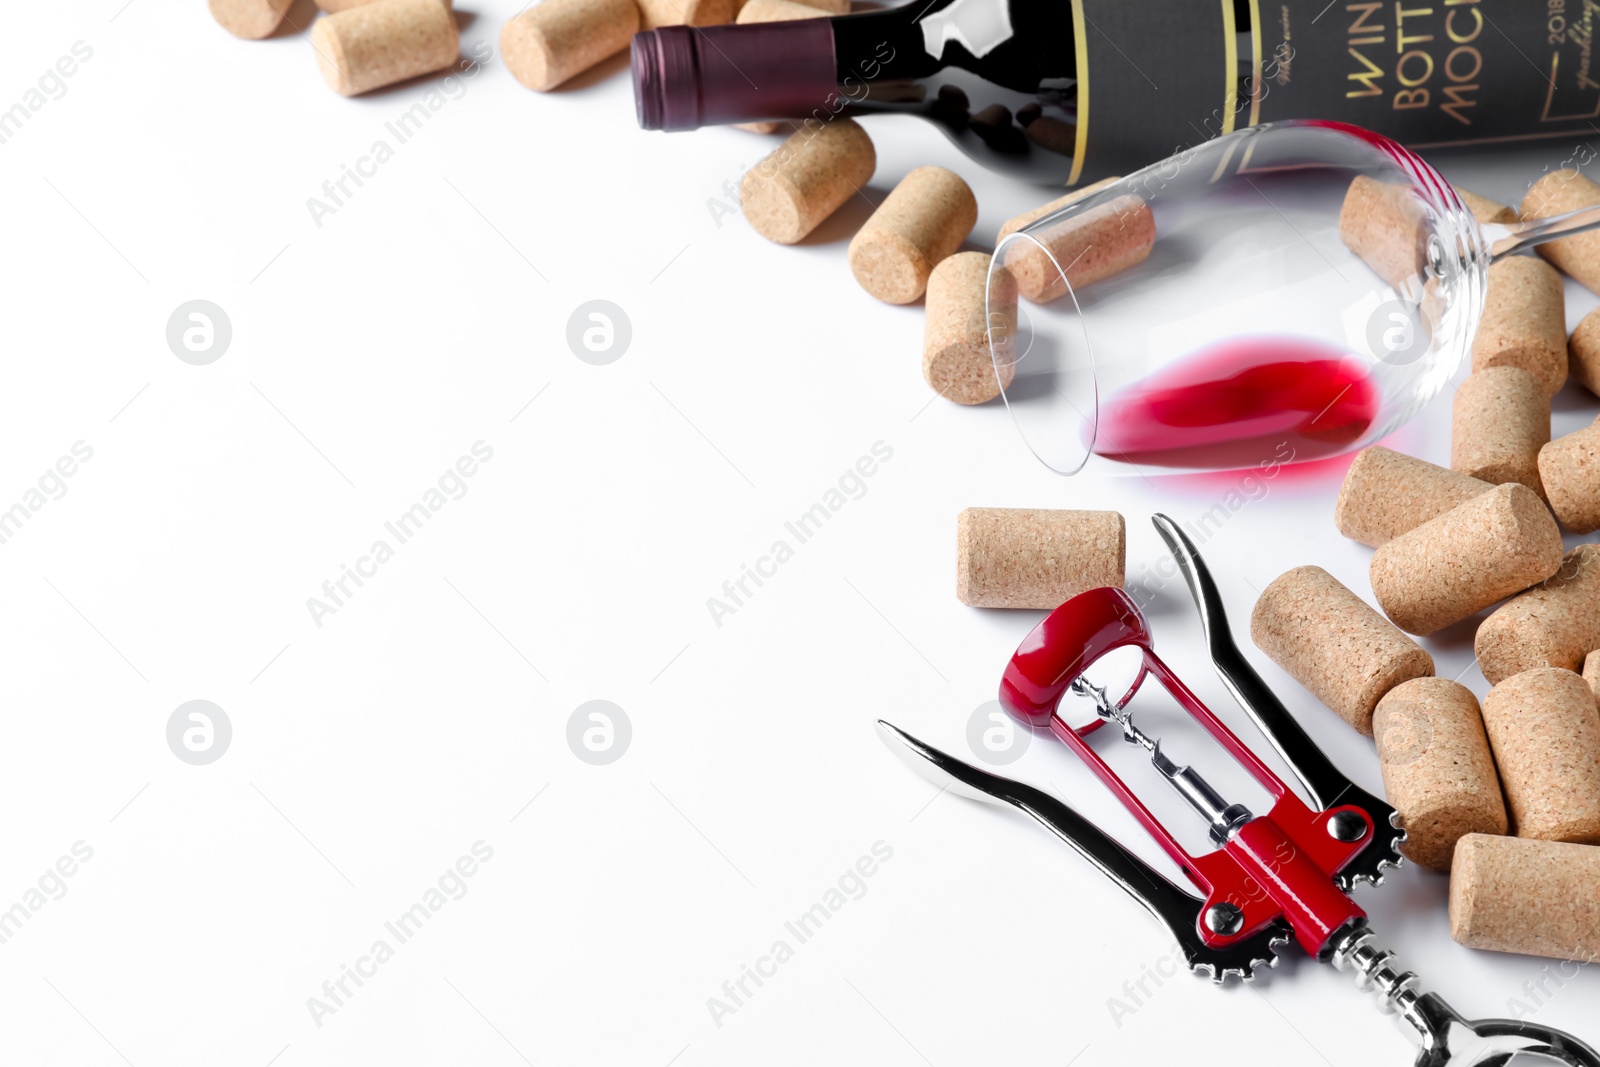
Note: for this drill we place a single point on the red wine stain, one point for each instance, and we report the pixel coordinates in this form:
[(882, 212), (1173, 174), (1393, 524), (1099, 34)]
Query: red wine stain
[(1240, 402)]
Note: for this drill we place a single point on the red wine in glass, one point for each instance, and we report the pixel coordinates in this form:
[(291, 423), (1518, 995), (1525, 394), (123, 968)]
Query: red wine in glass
[(1235, 401)]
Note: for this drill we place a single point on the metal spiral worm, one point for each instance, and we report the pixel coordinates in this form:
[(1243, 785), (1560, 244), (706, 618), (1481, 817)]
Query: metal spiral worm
[(1370, 965)]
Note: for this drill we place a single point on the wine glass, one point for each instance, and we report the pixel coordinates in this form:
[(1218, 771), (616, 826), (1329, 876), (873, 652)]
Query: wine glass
[(1285, 293)]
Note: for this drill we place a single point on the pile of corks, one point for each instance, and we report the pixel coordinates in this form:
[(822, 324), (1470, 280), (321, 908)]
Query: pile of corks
[(367, 44), (906, 250), (1502, 795), (1450, 543)]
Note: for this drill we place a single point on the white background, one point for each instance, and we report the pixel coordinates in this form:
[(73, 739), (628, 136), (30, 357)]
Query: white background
[(429, 313)]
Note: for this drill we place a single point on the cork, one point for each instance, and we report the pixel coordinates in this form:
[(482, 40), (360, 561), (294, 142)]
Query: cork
[(1583, 352), (1524, 322), (827, 7), (922, 221), (1386, 494), (1485, 210), (1554, 624), (1569, 467), (1089, 246), (1385, 225), (1558, 192), (550, 42), (384, 42), (955, 333), (1027, 218), (1511, 894), (333, 7), (1501, 419), (806, 179), (250, 19), (779, 11), (1026, 558), (1498, 543), (1545, 732), (1334, 644), (1438, 772), (654, 13), (1591, 674), (765, 126), (785, 10)]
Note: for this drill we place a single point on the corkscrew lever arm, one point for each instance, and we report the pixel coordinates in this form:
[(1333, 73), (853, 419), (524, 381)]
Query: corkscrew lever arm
[(1327, 785), (1178, 911)]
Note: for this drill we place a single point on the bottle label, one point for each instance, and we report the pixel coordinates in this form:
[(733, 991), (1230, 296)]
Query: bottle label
[(1431, 72), (1153, 79), (1162, 75)]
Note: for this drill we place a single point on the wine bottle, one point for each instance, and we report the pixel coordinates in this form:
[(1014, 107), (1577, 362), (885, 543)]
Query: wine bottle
[(1069, 91)]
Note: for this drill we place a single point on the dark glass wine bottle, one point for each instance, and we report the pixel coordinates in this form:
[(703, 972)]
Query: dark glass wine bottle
[(1069, 91)]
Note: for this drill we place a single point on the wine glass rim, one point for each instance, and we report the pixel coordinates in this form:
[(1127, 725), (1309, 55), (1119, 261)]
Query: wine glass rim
[(1092, 417)]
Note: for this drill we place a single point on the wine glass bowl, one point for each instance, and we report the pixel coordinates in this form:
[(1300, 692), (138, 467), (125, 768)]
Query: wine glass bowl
[(1285, 293)]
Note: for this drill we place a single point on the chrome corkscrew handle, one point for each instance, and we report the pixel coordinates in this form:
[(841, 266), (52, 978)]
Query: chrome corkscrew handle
[(1444, 1037), (1325, 783)]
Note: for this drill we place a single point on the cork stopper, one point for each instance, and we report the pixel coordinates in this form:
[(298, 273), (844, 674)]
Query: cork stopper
[(922, 221), (786, 10), (1485, 210), (1386, 494), (781, 11), (1027, 218), (333, 7), (955, 335), (548, 43), (1511, 894), (806, 179), (1334, 644), (1524, 322), (827, 7), (1545, 732), (1554, 624), (1569, 467), (1087, 247), (1583, 352), (654, 13), (1501, 419), (384, 42), (250, 19), (1451, 567), (1558, 192), (1027, 558), (1385, 225), (1437, 769), (1591, 674)]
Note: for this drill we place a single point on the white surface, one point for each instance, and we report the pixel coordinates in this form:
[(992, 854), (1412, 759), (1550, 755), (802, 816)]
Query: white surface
[(368, 754)]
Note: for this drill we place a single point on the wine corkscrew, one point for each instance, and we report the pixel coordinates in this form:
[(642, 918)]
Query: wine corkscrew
[(1280, 875)]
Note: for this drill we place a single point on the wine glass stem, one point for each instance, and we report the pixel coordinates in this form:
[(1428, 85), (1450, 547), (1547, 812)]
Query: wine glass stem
[(1506, 238)]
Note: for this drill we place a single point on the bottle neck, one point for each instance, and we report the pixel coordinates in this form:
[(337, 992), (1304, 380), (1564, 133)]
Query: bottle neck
[(686, 77)]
